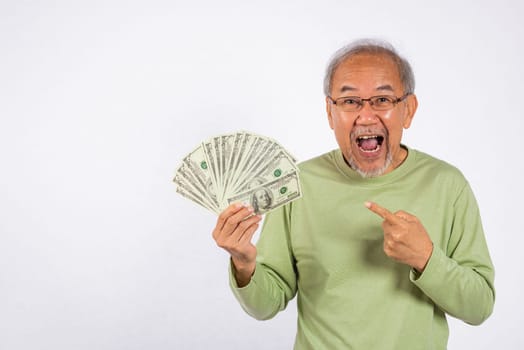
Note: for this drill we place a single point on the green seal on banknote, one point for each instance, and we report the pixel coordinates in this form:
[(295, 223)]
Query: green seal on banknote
[(277, 172), (283, 190), (203, 165)]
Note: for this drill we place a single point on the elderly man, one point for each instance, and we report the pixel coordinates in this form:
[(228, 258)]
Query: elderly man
[(367, 277)]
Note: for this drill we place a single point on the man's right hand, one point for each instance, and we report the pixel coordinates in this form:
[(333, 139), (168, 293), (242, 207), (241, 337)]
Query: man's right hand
[(235, 227)]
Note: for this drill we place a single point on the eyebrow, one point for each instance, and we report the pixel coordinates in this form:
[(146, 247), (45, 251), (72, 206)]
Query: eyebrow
[(347, 88), (386, 87)]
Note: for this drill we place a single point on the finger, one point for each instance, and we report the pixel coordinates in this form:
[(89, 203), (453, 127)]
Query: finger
[(232, 209), (236, 240), (237, 219), (382, 212), (249, 232), (377, 209), (243, 226), (405, 215)]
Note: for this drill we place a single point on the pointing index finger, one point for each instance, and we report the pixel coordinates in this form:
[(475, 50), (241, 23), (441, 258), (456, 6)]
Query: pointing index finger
[(381, 211)]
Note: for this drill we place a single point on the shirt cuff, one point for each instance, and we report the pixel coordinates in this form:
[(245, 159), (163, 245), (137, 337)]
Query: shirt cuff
[(432, 269), (233, 282)]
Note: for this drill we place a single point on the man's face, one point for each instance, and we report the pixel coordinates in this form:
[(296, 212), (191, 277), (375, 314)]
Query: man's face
[(369, 139), (263, 199)]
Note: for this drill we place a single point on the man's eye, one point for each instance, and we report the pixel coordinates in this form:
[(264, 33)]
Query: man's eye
[(350, 101), (383, 100)]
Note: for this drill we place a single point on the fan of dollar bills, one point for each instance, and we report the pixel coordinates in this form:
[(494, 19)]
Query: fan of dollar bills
[(239, 167)]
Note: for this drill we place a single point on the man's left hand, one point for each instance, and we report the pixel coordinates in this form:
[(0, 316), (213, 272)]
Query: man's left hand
[(405, 238)]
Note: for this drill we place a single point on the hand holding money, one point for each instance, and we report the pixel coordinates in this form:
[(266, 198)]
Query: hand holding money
[(239, 176), (233, 232)]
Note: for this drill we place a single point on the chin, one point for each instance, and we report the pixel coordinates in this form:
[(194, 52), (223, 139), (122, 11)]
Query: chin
[(371, 171)]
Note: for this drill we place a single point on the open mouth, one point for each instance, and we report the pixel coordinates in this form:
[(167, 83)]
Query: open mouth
[(370, 143)]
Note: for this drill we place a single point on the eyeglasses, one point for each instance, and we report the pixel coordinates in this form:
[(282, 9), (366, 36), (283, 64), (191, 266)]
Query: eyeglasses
[(378, 103)]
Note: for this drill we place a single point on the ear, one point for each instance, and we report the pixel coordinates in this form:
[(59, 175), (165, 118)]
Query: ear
[(329, 107), (411, 108)]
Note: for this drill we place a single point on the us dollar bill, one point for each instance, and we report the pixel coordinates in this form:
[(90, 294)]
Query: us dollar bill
[(189, 194), (271, 195), (210, 152), (237, 166), (249, 155), (200, 173), (240, 151), (276, 167), (264, 155), (226, 146), (233, 144), (191, 191)]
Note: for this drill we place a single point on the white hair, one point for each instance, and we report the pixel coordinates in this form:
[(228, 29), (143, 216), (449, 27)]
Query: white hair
[(375, 47)]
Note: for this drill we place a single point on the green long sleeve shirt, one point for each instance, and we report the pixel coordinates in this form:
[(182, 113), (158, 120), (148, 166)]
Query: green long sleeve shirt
[(327, 248)]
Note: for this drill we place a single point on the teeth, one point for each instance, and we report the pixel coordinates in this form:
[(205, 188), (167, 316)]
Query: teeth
[(367, 137)]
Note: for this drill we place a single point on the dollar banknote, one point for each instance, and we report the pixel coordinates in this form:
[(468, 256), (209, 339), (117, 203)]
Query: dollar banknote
[(270, 195), (240, 166), (274, 167)]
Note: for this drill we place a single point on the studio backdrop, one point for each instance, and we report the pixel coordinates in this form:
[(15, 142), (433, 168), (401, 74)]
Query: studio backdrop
[(101, 100)]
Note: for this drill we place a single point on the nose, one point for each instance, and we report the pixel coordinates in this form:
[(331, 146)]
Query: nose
[(366, 115)]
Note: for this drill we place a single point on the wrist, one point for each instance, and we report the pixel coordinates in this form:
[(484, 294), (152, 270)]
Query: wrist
[(242, 271), (424, 260)]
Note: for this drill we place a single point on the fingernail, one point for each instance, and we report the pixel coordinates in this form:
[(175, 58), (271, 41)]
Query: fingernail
[(367, 204)]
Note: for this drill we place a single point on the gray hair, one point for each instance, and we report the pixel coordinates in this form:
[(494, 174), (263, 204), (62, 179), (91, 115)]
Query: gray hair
[(374, 47)]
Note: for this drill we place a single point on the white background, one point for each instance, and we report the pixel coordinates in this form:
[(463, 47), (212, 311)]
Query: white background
[(100, 100)]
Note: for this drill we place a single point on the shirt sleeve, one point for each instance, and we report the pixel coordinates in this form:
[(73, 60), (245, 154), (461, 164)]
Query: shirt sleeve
[(274, 282), (460, 278)]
